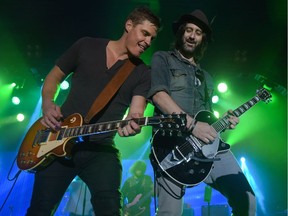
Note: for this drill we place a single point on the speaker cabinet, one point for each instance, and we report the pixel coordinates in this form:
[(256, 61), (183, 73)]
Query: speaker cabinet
[(188, 212), (215, 210)]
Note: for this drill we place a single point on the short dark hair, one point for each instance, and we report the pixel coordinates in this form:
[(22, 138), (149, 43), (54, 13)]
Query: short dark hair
[(140, 14)]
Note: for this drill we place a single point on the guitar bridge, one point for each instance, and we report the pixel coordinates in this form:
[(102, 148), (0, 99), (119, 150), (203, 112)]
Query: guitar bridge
[(183, 156)]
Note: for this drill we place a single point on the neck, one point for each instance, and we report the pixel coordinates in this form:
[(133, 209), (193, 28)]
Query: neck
[(188, 58), (117, 50)]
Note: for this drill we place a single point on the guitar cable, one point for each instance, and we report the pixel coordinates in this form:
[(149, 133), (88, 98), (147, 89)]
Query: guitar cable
[(170, 191), (15, 178)]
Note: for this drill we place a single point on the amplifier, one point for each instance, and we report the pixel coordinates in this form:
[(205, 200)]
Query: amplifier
[(215, 210)]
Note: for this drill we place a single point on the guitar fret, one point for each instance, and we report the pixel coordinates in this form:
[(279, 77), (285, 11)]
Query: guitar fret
[(97, 128), (218, 126), (61, 134), (72, 132), (241, 110), (251, 103), (237, 113), (92, 129), (225, 119), (246, 106), (76, 131), (223, 124), (84, 130), (100, 127), (89, 129), (108, 126), (68, 131)]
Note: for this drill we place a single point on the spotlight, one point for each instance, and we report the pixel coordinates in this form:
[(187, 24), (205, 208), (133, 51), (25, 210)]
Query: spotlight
[(215, 99), (64, 85), (15, 100), (20, 117), (13, 85), (222, 87), (216, 113)]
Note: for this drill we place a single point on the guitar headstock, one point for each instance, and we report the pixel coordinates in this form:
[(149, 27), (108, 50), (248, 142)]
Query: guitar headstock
[(168, 123), (264, 95)]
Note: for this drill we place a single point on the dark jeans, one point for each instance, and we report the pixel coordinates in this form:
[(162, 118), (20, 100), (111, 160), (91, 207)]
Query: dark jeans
[(101, 171)]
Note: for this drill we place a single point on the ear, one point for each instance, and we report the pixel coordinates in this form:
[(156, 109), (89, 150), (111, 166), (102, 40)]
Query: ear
[(128, 25)]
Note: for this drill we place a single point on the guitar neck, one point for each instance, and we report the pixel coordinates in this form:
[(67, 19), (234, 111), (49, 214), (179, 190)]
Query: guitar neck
[(172, 122), (99, 128), (223, 123)]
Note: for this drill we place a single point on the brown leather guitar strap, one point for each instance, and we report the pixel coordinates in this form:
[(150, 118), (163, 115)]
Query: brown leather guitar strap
[(110, 89)]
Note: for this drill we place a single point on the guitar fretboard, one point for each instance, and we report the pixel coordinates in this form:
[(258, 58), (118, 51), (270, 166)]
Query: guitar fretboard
[(169, 122), (98, 128), (223, 123)]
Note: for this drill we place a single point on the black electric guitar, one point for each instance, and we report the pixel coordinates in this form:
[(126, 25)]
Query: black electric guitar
[(40, 145), (187, 160)]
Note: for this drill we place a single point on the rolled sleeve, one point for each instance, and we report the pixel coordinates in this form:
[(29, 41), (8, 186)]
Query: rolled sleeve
[(160, 74)]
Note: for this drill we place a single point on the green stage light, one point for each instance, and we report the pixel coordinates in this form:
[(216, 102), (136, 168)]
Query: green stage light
[(64, 85), (269, 88), (20, 117), (216, 113), (13, 85), (215, 99), (222, 87), (16, 100)]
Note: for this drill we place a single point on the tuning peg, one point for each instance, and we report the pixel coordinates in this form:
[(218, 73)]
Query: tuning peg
[(268, 100)]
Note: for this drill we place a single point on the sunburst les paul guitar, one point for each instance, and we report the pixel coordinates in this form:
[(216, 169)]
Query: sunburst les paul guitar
[(189, 161), (41, 145)]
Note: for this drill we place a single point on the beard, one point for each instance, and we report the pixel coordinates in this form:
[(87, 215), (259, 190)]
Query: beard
[(189, 49)]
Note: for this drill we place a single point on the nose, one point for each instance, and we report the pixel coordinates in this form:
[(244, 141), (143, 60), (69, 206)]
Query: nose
[(148, 41), (192, 34)]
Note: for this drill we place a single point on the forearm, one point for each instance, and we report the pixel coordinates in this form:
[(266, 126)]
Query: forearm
[(136, 110), (166, 104), (137, 107), (51, 85), (51, 112)]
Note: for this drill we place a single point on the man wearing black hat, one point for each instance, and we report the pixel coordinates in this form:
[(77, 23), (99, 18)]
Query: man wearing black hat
[(179, 85)]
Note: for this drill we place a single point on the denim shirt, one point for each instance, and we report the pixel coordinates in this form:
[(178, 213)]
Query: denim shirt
[(180, 79)]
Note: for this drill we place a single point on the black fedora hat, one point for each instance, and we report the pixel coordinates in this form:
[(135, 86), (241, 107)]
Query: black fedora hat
[(198, 18)]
